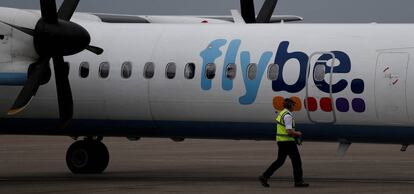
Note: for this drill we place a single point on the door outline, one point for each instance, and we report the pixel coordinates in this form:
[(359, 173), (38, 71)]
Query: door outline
[(330, 86), (376, 93)]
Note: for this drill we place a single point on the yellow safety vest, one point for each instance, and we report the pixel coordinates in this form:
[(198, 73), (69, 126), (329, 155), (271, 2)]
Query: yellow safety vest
[(282, 134)]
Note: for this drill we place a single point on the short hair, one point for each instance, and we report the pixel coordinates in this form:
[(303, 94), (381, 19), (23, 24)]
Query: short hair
[(288, 103)]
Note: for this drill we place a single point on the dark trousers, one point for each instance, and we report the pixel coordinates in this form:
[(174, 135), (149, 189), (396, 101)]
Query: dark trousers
[(287, 149)]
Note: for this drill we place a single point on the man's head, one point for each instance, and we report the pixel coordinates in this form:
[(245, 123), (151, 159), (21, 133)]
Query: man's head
[(288, 104)]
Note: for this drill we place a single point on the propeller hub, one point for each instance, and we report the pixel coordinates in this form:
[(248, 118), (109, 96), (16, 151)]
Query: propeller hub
[(60, 39), (54, 37)]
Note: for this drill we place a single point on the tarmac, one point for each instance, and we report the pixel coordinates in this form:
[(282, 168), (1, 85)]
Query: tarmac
[(35, 164)]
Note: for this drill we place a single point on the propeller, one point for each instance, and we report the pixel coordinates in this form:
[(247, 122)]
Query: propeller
[(265, 14), (54, 37)]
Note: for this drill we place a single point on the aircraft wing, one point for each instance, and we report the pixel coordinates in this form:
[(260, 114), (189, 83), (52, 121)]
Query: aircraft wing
[(123, 18), (116, 18), (273, 19)]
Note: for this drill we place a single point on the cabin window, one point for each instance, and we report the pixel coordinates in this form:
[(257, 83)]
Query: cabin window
[(84, 70), (170, 70), (252, 71), (149, 70), (231, 71), (189, 71), (1, 37), (104, 70), (210, 71), (126, 70), (273, 72), (319, 72)]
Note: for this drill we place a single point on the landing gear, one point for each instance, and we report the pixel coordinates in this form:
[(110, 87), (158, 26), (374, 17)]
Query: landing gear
[(89, 156)]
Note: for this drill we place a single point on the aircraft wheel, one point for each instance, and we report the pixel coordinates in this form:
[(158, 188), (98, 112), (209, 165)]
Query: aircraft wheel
[(87, 157)]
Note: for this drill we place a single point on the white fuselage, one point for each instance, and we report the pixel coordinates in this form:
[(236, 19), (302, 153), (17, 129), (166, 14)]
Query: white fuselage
[(372, 79)]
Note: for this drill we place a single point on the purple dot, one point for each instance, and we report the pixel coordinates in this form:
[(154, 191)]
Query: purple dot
[(357, 86), (342, 105), (358, 105)]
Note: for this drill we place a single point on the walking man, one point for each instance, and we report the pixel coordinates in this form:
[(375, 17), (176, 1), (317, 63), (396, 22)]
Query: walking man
[(287, 139)]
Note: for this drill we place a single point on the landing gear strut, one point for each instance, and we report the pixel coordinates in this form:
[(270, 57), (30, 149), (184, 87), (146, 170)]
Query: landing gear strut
[(89, 156)]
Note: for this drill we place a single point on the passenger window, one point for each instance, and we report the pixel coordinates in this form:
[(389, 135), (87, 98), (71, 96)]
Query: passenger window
[(149, 70), (170, 70), (84, 70), (273, 72), (231, 71), (319, 72), (126, 70), (104, 70), (189, 71), (210, 71), (252, 71)]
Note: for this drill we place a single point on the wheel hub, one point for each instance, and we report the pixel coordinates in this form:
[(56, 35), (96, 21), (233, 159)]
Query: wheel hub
[(80, 158)]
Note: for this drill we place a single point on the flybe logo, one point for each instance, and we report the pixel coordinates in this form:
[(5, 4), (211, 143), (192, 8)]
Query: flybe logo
[(282, 55)]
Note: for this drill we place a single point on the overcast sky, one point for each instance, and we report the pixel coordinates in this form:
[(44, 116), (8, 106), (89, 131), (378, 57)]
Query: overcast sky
[(384, 11)]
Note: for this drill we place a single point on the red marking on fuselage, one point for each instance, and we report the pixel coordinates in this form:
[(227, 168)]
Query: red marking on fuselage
[(393, 83)]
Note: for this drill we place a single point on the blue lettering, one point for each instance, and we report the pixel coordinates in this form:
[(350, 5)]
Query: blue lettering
[(213, 52), (209, 55), (230, 58), (252, 86), (282, 57), (343, 67)]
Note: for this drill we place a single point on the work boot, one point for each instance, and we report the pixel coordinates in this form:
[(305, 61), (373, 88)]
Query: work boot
[(263, 180), (301, 184)]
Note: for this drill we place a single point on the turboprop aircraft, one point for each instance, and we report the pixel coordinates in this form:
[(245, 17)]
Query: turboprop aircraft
[(216, 77)]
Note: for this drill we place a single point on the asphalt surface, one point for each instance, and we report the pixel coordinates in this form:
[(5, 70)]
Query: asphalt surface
[(31, 164)]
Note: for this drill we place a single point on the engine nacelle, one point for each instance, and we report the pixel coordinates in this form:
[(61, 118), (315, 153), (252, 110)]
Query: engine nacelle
[(16, 48)]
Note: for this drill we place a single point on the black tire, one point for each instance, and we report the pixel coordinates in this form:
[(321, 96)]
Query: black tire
[(87, 157)]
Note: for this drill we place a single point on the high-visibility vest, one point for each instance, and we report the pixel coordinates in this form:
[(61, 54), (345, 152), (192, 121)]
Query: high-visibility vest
[(282, 134)]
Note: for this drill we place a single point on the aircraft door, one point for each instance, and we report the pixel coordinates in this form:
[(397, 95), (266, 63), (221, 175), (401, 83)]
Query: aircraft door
[(318, 103), (390, 87)]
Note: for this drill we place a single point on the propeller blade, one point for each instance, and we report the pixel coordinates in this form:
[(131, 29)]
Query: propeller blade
[(67, 9), (31, 86), (95, 49), (64, 92), (247, 11), (267, 11), (48, 8), (23, 29)]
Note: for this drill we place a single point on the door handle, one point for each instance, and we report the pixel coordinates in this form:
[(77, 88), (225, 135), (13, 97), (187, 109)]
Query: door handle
[(391, 75)]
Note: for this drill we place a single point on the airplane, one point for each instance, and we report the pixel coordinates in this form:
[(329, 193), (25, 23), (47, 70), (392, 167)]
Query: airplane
[(204, 77)]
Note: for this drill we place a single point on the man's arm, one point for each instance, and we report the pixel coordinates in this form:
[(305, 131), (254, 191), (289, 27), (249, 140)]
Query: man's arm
[(289, 128), (294, 133)]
